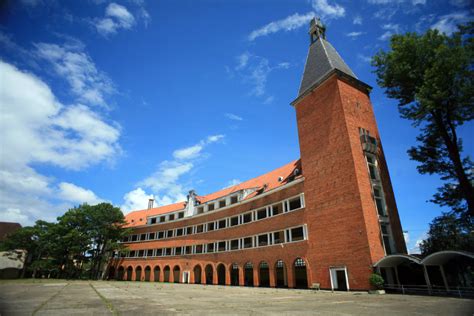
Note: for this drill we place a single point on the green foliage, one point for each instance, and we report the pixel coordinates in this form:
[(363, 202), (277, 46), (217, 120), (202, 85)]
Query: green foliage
[(84, 237), (376, 281), (432, 77), (449, 232)]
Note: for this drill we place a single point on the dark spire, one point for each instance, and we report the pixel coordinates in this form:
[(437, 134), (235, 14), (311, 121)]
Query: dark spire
[(322, 59)]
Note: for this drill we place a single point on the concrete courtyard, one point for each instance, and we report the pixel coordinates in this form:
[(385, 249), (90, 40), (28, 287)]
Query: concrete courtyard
[(60, 297)]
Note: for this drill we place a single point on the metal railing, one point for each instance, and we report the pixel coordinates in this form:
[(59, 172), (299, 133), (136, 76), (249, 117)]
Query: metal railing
[(436, 290)]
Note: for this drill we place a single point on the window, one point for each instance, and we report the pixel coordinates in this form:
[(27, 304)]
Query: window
[(247, 218), (198, 249), (143, 237), (200, 210), (234, 221), (132, 254), (189, 230), (188, 250), (199, 228), (222, 224), (248, 242), (169, 233), (167, 252), (372, 164), (210, 207), (123, 255), (210, 247), (234, 244), (262, 240), (300, 263), (162, 219), (222, 203), (125, 239), (279, 237), (386, 239), (178, 251), (141, 253), (134, 237), (160, 235), (171, 217), (210, 226), (261, 214), (294, 204), (153, 220), (179, 232), (221, 246), (276, 208), (151, 236), (149, 253), (180, 214), (379, 201), (159, 252), (234, 199), (297, 234)]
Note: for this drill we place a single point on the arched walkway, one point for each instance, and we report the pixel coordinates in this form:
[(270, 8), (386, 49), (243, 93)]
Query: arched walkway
[(111, 272), (281, 279), (209, 274), (156, 274), (120, 273), (301, 276), (166, 274), (264, 274), (138, 273), (248, 274), (147, 273), (221, 274), (176, 274), (129, 273), (234, 274), (197, 274)]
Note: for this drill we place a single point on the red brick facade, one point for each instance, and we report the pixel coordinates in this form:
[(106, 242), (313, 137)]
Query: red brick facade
[(333, 236)]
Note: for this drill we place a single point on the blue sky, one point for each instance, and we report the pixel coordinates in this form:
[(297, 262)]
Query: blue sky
[(121, 101)]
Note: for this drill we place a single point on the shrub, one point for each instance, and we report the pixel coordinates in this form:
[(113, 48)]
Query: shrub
[(376, 281)]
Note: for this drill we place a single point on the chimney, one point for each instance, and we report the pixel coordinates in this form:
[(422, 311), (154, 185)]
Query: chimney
[(150, 203)]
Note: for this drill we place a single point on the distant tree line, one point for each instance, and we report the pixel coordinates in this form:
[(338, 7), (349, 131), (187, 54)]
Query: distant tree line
[(432, 77), (78, 245)]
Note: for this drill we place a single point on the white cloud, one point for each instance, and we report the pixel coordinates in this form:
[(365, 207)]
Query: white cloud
[(231, 183), (354, 35), (188, 152), (269, 100), (289, 23), (448, 23), (406, 236), (415, 2), (73, 193), (36, 128), (357, 20), (328, 11), (242, 60), (233, 117), (71, 63), (166, 182), (366, 59), (460, 3), (116, 17), (135, 200), (390, 29)]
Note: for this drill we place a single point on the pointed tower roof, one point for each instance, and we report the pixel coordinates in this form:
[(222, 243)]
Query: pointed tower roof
[(322, 60)]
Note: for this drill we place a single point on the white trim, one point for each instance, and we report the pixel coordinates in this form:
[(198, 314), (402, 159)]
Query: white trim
[(331, 275)]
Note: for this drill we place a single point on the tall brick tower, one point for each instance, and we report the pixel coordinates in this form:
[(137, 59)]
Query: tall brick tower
[(351, 212)]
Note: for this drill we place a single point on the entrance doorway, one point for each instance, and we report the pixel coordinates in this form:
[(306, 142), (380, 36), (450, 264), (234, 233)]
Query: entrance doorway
[(339, 280)]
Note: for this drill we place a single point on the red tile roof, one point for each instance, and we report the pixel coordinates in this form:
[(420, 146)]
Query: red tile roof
[(270, 179)]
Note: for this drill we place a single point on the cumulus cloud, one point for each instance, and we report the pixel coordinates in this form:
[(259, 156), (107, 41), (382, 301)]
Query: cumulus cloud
[(289, 23), (71, 63), (448, 23), (116, 17), (73, 193), (37, 128), (328, 11), (165, 183)]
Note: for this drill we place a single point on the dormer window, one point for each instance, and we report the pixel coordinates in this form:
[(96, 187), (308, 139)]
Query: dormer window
[(234, 199), (222, 203)]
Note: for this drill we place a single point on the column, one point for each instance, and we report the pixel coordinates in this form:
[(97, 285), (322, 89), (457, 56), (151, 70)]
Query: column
[(256, 276), (443, 275), (271, 272)]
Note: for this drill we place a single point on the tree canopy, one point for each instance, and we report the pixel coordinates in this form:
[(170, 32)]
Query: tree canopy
[(432, 77), (77, 245)]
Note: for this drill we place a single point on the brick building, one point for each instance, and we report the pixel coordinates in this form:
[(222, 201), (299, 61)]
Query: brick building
[(324, 219)]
